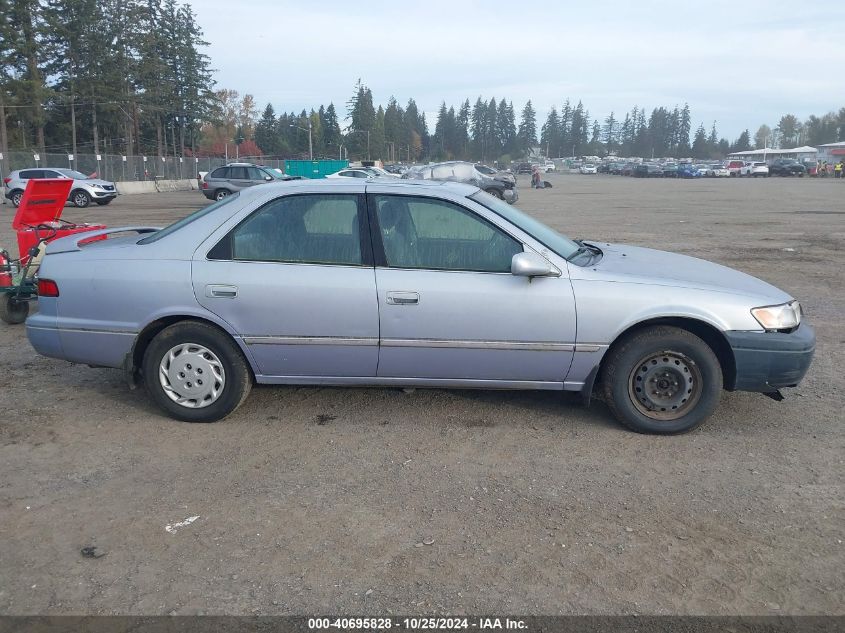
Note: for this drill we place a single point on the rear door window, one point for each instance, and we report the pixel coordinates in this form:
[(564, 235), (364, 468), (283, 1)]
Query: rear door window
[(31, 174), (307, 229), (220, 172)]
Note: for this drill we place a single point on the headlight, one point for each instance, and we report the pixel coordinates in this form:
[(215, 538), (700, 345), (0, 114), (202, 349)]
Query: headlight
[(96, 186), (780, 317)]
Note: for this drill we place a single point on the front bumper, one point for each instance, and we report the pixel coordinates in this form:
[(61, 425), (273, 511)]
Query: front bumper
[(767, 361), (102, 194), (511, 195)]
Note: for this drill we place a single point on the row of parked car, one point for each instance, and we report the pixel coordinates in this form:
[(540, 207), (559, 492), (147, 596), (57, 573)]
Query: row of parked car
[(234, 177), (668, 169)]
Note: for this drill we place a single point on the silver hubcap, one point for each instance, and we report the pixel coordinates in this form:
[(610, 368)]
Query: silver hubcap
[(222, 195), (191, 375), (16, 199), (79, 200), (665, 385)]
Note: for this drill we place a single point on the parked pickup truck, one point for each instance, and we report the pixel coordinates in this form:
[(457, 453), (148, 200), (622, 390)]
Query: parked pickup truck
[(787, 167)]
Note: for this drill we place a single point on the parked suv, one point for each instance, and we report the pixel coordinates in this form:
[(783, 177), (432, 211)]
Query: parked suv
[(227, 180), (787, 167), (754, 168), (83, 192)]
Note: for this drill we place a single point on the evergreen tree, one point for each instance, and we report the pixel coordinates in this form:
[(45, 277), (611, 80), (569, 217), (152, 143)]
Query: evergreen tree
[(265, 131), (550, 133), (684, 128), (743, 143), (527, 134), (700, 148), (462, 122), (610, 132)]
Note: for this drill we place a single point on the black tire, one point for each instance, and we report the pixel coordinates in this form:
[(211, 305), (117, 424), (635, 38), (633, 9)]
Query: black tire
[(236, 376), (662, 357), (13, 311), (221, 193), (80, 198), (15, 197), (103, 203)]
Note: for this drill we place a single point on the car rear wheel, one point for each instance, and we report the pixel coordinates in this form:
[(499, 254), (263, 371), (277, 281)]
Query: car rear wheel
[(195, 372), (662, 380), (220, 194), (16, 197), (80, 198)]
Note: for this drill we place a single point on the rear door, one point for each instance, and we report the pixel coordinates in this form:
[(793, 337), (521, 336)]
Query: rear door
[(295, 280), (238, 177), (450, 308)]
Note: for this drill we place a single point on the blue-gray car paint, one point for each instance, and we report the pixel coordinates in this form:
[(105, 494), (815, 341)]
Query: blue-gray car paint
[(318, 324)]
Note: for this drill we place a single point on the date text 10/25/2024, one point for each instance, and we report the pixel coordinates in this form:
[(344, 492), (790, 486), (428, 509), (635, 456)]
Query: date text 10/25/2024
[(417, 623)]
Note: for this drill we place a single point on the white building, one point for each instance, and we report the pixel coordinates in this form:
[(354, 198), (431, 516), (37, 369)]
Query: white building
[(768, 154), (832, 152)]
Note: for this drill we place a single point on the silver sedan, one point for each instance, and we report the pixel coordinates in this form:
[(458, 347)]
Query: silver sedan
[(414, 284)]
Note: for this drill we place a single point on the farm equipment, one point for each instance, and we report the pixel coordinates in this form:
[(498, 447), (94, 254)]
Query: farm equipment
[(37, 221)]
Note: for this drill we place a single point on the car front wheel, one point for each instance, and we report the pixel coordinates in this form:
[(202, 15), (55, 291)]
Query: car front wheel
[(195, 372), (80, 198), (662, 380)]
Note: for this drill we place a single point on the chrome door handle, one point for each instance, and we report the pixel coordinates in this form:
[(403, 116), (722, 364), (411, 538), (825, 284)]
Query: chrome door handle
[(218, 291), (397, 298)]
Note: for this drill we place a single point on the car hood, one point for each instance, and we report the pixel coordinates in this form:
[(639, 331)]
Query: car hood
[(634, 264), (95, 181)]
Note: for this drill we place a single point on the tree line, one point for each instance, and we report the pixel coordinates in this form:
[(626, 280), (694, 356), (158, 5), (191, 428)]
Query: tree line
[(131, 77), (790, 131), (122, 76), (486, 130)]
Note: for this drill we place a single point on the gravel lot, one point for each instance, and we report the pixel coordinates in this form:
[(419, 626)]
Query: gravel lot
[(376, 501)]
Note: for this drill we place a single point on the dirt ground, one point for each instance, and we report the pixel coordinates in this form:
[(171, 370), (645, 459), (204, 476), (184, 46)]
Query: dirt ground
[(376, 501)]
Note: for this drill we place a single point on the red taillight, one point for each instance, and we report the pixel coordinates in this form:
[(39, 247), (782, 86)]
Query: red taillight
[(7, 180), (205, 185), (47, 288)]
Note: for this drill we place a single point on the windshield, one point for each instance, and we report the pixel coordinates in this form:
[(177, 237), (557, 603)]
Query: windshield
[(550, 238), (70, 173), (196, 215)]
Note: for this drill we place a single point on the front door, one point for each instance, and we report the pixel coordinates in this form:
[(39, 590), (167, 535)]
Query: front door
[(450, 308), (295, 281)]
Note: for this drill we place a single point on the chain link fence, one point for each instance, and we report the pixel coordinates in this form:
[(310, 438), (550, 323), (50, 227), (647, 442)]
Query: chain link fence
[(115, 167)]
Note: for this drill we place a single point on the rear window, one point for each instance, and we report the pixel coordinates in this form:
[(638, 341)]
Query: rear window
[(220, 172), (29, 174), (187, 220)]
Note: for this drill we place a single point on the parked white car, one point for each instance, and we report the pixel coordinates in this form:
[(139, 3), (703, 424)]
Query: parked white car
[(717, 170), (755, 169), (549, 166), (589, 168), (353, 173)]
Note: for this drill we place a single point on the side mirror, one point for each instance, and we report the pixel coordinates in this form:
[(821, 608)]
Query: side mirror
[(531, 265)]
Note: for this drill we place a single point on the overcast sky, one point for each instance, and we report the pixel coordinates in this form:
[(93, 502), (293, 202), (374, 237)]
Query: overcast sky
[(738, 63)]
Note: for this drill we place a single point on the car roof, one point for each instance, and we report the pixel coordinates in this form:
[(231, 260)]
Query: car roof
[(408, 186)]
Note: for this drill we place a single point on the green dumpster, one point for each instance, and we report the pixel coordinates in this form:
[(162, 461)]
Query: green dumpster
[(314, 168)]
